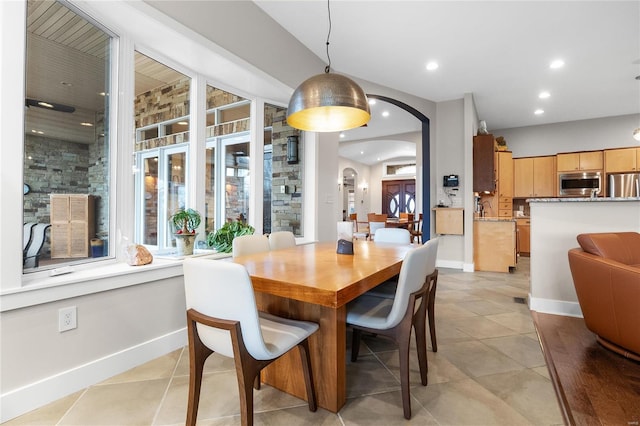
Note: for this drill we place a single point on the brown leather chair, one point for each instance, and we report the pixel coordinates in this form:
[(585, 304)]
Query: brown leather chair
[(606, 275)]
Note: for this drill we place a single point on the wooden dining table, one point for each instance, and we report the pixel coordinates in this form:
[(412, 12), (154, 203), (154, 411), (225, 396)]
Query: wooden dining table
[(312, 282)]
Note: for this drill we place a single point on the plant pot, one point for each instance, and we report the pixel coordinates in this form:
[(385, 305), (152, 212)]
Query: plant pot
[(185, 243)]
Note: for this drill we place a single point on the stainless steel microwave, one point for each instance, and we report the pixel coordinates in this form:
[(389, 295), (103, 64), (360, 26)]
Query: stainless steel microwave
[(580, 184)]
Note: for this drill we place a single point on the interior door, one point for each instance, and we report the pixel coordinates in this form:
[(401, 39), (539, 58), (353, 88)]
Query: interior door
[(398, 196)]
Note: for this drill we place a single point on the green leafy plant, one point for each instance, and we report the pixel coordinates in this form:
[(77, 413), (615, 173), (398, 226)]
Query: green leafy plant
[(185, 221), (222, 239)]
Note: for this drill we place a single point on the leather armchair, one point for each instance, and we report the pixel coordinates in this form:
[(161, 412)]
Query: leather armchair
[(606, 276)]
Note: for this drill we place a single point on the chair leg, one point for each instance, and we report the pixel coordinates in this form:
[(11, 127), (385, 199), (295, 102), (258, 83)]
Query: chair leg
[(403, 350), (421, 345), (431, 312), (198, 354), (305, 358), (355, 345), (256, 382)]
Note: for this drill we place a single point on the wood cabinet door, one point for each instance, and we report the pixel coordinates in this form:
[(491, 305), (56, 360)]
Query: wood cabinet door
[(522, 177), (620, 160), (505, 174), (568, 162), (544, 177), (591, 160), (483, 167)]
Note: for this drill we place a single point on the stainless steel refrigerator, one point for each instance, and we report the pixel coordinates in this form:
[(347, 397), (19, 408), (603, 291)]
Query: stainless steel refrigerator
[(623, 185)]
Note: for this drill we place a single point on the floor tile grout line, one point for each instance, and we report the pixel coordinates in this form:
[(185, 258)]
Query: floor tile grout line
[(166, 390), (84, 391)]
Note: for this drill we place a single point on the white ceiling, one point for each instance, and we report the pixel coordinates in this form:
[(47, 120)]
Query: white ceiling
[(499, 51)]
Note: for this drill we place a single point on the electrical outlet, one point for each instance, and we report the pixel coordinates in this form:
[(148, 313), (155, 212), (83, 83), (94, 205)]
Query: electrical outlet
[(67, 319)]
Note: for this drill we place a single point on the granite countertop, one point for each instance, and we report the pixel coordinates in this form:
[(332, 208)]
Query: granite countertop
[(494, 219), (580, 199)]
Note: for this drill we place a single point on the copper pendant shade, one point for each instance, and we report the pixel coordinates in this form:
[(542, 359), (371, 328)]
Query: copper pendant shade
[(328, 102)]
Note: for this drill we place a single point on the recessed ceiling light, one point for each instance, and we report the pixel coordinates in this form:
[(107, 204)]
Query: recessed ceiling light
[(538, 112), (361, 152), (372, 101), (64, 83), (432, 66), (385, 113), (183, 123), (544, 95), (342, 134), (558, 63), (102, 94), (38, 132), (45, 104), (86, 124)]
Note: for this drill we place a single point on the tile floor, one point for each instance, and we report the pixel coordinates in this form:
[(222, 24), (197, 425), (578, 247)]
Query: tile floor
[(489, 370)]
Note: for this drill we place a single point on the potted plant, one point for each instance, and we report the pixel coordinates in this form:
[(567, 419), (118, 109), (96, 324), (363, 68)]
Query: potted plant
[(222, 239), (185, 222)]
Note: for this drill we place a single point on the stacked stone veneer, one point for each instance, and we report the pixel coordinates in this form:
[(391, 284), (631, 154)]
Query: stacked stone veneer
[(286, 209), (60, 167)]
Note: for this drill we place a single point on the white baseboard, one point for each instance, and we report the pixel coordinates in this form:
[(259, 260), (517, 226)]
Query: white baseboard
[(34, 395), (451, 264), (556, 307), (469, 267)]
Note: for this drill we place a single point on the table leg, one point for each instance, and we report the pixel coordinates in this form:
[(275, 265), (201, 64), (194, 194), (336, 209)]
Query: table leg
[(328, 352)]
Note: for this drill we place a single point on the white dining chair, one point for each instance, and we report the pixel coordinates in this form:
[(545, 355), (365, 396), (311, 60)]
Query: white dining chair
[(249, 244), (374, 227), (281, 239), (393, 235), (222, 317), (394, 318)]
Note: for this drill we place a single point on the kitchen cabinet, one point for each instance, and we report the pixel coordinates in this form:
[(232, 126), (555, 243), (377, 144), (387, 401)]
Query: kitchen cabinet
[(449, 221), (504, 183), (484, 179), (524, 236), (72, 225), (622, 160), (494, 244), (577, 161), (534, 177)]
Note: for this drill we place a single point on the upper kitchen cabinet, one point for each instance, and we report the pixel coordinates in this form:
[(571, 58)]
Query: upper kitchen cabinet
[(534, 177), (484, 179), (504, 183), (622, 160), (578, 161)]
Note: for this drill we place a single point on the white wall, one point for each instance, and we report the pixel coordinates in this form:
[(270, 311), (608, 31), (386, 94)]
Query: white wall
[(449, 159), (583, 135)]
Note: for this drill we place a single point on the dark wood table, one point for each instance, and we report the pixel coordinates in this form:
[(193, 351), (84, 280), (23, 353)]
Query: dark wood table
[(594, 385), (400, 223), (312, 282)]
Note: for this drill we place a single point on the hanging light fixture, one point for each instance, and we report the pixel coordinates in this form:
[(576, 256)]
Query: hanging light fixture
[(328, 102)]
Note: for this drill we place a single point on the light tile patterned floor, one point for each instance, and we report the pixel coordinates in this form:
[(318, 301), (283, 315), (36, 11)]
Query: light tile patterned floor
[(488, 370)]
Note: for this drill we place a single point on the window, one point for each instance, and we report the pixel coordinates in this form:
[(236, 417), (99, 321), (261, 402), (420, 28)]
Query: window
[(227, 142), (67, 140), (162, 150)]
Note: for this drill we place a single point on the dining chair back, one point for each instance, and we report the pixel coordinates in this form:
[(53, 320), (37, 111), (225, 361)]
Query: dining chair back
[(393, 235), (249, 244), (374, 227), (416, 232), (222, 317), (31, 257), (359, 234), (281, 239), (395, 318)]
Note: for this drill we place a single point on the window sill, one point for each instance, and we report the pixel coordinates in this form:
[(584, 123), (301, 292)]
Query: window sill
[(91, 280)]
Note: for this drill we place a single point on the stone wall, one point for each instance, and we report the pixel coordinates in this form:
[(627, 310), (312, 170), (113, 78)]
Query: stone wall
[(286, 209)]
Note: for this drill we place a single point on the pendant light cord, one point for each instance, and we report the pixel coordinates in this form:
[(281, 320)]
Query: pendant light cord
[(328, 67)]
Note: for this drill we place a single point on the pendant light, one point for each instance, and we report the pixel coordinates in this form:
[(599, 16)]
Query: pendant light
[(328, 102)]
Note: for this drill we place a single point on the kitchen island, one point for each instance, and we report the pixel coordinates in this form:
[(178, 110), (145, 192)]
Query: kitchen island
[(494, 244), (555, 224)]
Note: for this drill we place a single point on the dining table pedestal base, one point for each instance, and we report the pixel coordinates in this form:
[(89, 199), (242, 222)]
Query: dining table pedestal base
[(328, 352)]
